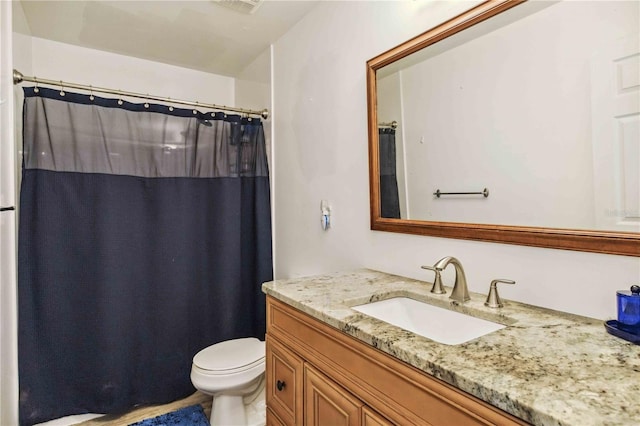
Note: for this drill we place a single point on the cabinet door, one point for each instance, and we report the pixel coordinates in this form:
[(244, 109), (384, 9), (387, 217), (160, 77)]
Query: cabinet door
[(371, 418), (284, 383), (326, 403), (272, 419)]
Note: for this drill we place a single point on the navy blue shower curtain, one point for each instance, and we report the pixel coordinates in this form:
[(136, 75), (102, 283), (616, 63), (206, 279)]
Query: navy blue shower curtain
[(145, 236), (389, 198)]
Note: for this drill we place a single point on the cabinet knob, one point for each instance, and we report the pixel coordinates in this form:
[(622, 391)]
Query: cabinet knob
[(280, 385)]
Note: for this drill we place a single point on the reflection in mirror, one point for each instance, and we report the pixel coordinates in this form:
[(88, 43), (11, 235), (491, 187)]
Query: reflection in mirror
[(389, 197), (540, 104), (494, 111)]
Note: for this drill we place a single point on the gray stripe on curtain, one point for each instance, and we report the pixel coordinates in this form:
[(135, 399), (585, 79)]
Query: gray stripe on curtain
[(74, 137)]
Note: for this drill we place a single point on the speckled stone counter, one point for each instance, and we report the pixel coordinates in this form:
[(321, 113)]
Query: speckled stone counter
[(546, 367)]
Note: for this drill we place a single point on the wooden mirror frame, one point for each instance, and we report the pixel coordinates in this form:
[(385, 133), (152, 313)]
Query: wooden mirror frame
[(610, 242)]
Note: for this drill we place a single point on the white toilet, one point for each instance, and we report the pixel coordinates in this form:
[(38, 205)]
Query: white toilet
[(233, 373)]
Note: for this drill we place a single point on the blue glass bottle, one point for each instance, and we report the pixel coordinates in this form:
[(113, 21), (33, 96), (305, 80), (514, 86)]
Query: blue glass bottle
[(629, 310)]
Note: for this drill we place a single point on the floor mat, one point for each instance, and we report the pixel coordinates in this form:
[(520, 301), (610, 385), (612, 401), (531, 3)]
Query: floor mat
[(188, 416)]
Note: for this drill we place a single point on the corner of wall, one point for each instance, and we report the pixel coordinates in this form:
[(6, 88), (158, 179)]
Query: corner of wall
[(254, 90), (253, 84), (19, 19)]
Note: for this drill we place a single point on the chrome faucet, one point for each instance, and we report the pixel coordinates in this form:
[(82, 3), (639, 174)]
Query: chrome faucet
[(460, 293)]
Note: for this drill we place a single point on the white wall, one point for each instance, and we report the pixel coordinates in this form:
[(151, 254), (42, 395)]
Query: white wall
[(19, 19), (22, 55), (253, 84), (480, 117), (321, 153), (253, 91), (59, 61)]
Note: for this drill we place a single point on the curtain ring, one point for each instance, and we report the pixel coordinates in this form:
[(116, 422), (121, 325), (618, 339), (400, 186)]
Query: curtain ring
[(91, 97), (36, 89), (120, 101), (61, 89)]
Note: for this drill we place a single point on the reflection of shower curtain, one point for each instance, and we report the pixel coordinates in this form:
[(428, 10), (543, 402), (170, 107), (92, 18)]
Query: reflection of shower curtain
[(145, 236), (389, 201)]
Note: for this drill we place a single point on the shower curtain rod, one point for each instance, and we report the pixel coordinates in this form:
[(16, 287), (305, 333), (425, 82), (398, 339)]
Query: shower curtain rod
[(18, 78), (393, 124)]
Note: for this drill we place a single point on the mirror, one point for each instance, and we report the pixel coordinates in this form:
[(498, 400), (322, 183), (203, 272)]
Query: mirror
[(514, 122)]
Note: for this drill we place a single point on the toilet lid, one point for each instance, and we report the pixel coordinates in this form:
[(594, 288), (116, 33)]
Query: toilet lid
[(230, 355)]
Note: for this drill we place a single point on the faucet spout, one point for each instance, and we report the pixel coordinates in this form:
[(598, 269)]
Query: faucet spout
[(460, 292)]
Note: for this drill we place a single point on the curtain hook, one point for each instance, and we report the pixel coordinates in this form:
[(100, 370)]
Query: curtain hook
[(120, 102), (61, 89), (195, 110), (146, 104), (36, 89), (170, 107), (91, 97)]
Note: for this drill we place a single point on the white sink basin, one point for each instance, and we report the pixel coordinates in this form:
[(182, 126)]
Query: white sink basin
[(432, 322)]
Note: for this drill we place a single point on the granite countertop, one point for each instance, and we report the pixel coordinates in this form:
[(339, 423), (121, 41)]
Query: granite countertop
[(546, 367)]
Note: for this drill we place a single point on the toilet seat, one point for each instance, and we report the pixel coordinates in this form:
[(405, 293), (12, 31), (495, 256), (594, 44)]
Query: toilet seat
[(230, 357)]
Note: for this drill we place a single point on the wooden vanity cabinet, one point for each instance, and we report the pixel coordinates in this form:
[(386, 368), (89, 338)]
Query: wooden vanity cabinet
[(317, 375)]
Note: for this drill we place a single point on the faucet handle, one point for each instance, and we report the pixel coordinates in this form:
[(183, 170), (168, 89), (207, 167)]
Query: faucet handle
[(437, 281), (493, 299)]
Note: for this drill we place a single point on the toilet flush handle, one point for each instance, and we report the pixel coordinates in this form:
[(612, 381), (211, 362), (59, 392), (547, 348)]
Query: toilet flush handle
[(280, 385)]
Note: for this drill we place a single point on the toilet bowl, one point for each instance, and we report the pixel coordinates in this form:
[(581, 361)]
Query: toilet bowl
[(233, 373)]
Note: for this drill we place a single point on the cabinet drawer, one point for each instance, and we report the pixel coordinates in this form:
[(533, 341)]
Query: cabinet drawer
[(285, 378)]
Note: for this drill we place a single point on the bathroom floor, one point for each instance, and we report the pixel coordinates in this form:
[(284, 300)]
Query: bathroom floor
[(153, 411)]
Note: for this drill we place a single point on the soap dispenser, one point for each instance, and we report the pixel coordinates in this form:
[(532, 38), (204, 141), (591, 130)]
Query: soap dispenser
[(629, 309)]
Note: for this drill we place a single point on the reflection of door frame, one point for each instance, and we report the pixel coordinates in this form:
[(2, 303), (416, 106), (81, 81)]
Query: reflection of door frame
[(615, 120)]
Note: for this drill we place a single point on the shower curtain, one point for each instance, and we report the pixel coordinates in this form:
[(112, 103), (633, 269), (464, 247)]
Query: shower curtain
[(145, 236), (389, 199)]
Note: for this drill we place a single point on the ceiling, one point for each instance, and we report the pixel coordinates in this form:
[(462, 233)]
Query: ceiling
[(201, 35)]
